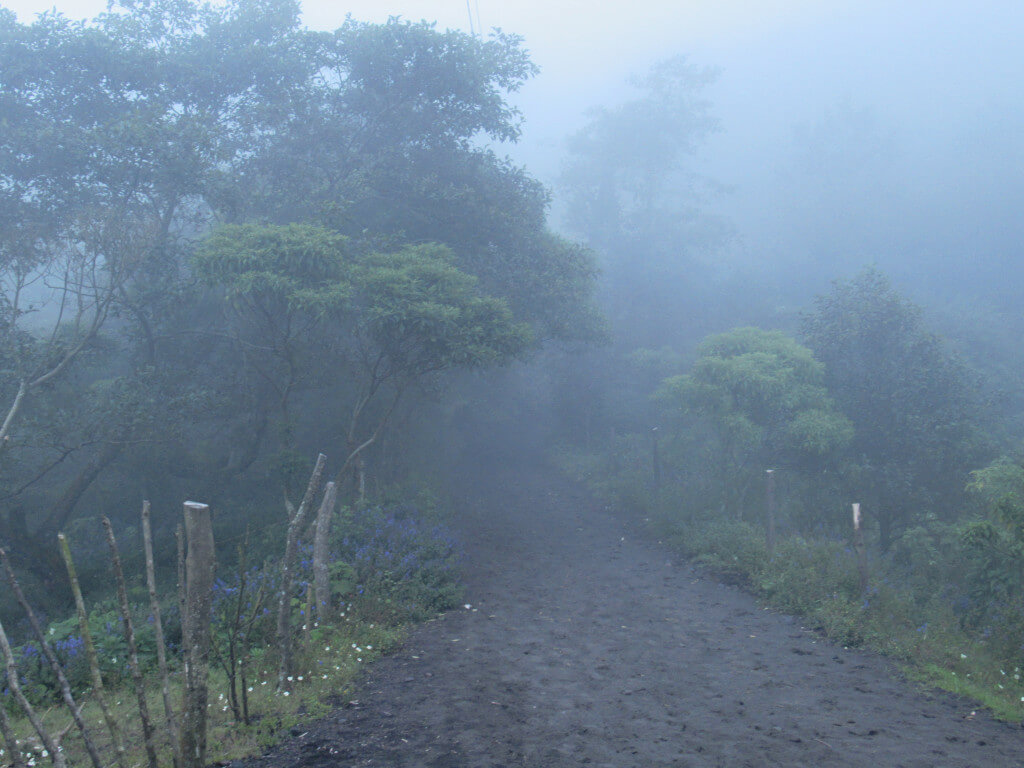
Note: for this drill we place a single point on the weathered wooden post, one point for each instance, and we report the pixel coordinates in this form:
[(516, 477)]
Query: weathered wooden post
[(284, 592), (133, 652), (48, 741), (13, 749), (655, 459), (770, 528), (199, 570), (858, 546), (161, 648), (321, 543), (90, 653)]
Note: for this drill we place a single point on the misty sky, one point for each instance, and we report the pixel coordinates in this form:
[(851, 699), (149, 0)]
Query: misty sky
[(859, 127)]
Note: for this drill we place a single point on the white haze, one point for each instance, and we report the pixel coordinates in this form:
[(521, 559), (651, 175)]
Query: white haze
[(852, 131)]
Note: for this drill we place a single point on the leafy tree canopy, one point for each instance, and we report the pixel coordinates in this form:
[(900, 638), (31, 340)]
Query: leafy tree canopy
[(912, 403), (765, 395)]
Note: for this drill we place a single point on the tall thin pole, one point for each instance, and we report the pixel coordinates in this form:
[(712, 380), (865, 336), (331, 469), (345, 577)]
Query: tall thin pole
[(770, 529), (469, 11), (858, 546), (655, 459)]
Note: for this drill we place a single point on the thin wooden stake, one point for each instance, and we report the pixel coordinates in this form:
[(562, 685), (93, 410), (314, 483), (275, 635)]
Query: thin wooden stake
[(284, 593), (56, 756), (655, 459), (321, 542), (133, 653), (161, 648), (179, 535), (858, 546), (307, 627), (13, 749), (51, 658), (90, 653), (770, 527), (199, 571)]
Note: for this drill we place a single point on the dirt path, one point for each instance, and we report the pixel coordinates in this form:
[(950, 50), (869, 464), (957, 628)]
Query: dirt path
[(586, 646)]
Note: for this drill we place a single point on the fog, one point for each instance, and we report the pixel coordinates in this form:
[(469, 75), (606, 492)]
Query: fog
[(712, 271), (851, 132)]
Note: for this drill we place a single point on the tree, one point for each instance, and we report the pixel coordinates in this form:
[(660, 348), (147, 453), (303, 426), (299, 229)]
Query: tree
[(764, 397), (626, 178), (911, 401), (305, 309), (384, 145), (994, 544), (115, 133), (361, 153)]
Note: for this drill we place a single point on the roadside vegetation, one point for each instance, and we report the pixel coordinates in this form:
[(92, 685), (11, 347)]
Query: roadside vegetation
[(761, 450), (745, 412), (390, 565)]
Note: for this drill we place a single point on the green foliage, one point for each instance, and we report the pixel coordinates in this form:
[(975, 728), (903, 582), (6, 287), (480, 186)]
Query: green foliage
[(276, 269), (424, 315), (763, 392), (994, 548), (392, 245), (912, 403), (753, 400)]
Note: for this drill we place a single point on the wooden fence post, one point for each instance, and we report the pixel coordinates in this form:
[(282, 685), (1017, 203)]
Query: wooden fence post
[(161, 648), (284, 592), (321, 542), (51, 658), (655, 459), (51, 744), (770, 528), (199, 570), (858, 546), (90, 653), (13, 748), (133, 651)]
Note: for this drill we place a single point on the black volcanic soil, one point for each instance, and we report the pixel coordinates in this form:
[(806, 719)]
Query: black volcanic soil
[(587, 645)]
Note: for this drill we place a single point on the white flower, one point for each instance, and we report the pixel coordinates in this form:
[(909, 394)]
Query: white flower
[(369, 647), (286, 693), (300, 678)]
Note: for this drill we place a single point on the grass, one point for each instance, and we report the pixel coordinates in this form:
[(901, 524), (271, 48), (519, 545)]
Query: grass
[(327, 663), (393, 566), (817, 580)]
